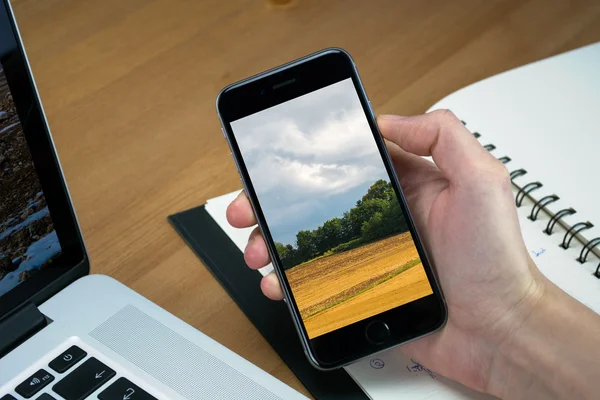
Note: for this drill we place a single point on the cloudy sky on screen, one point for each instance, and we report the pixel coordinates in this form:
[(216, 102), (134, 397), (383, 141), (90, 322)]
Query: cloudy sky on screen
[(309, 159)]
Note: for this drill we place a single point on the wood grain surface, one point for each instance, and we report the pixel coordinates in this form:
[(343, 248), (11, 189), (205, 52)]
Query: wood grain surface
[(129, 88)]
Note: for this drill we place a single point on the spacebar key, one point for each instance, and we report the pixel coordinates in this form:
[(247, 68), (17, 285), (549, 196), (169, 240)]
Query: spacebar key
[(84, 380)]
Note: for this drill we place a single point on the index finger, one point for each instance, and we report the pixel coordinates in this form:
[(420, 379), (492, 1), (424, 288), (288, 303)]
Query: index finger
[(442, 136), (239, 212)]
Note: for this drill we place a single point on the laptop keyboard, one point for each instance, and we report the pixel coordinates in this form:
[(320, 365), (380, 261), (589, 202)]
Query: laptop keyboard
[(78, 383)]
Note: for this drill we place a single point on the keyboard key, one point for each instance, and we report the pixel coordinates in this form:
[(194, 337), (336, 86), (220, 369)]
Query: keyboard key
[(123, 389), (8, 397), (34, 383), (45, 396), (67, 359), (84, 380)]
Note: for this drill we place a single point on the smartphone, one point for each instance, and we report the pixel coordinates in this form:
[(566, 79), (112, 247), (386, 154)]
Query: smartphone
[(315, 168)]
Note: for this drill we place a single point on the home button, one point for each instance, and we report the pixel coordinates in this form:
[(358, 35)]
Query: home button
[(377, 332)]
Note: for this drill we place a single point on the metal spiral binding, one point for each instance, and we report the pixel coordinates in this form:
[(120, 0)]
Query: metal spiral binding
[(543, 202), (587, 248), (573, 231), (556, 218), (524, 191), (517, 172)]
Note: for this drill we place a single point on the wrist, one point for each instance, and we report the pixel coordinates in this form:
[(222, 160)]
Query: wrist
[(510, 370), (507, 368), (538, 356)]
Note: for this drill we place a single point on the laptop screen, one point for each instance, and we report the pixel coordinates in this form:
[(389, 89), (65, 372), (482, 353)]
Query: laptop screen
[(28, 240), (41, 248)]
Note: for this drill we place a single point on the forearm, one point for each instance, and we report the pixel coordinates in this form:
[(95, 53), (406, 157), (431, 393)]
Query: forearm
[(553, 353)]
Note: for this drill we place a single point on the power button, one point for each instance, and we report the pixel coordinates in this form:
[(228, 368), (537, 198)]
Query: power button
[(223, 132)]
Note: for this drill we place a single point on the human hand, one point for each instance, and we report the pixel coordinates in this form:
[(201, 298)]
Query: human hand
[(464, 209)]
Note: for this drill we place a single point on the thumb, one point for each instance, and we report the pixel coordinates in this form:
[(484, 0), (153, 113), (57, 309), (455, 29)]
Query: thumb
[(442, 136)]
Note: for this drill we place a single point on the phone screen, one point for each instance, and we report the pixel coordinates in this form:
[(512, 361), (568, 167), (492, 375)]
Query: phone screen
[(327, 198)]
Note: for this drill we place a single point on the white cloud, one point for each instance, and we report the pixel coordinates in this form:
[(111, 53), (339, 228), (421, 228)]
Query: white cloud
[(343, 137), (306, 178)]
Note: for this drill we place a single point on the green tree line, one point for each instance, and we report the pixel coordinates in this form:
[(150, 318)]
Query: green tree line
[(375, 216)]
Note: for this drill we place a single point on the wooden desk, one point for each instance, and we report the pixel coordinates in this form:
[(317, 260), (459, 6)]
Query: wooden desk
[(129, 88)]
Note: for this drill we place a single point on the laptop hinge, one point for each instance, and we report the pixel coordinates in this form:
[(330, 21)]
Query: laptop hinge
[(19, 325)]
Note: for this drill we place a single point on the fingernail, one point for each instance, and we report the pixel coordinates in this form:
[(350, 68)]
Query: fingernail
[(393, 117)]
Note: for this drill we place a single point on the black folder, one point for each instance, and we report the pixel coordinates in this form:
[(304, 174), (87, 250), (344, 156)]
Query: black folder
[(226, 262)]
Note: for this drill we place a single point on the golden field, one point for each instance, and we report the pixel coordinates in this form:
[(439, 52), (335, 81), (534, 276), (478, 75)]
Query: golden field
[(334, 291)]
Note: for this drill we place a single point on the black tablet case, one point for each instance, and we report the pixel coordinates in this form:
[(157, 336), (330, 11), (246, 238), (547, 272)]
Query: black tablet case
[(226, 262)]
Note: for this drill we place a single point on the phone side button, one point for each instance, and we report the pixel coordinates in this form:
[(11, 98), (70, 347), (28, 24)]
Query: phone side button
[(377, 332), (223, 132)]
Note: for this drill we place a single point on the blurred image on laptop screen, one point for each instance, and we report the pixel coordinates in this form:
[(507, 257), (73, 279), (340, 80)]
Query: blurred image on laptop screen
[(28, 240)]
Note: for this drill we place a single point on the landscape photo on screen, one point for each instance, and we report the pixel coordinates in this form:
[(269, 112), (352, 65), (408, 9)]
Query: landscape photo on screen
[(335, 219), (28, 241)]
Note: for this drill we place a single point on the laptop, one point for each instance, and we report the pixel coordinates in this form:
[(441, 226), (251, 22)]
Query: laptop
[(66, 334)]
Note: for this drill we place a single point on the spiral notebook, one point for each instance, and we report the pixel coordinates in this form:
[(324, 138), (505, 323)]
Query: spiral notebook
[(541, 121)]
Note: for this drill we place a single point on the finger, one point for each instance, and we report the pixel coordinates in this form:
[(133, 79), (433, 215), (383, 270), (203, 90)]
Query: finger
[(413, 171), (417, 176), (239, 212), (271, 288), (438, 134), (408, 166), (255, 253)]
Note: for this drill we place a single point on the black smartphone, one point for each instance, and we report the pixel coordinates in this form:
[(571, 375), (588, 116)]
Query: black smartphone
[(315, 168)]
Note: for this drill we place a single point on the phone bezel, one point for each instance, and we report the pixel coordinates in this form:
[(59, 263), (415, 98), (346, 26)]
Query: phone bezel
[(305, 75)]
